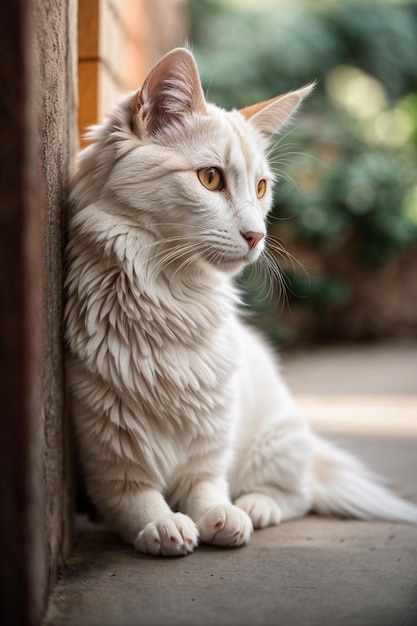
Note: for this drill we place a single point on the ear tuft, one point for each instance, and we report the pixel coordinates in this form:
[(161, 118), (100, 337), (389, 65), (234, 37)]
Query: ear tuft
[(270, 116), (171, 90)]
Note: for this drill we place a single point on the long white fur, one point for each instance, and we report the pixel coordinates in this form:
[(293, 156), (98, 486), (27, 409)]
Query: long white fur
[(179, 407)]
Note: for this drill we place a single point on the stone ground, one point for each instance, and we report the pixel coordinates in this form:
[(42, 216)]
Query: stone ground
[(304, 573)]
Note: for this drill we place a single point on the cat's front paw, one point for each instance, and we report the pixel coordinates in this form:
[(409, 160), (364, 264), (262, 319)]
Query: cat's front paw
[(225, 525), (172, 535), (262, 509)]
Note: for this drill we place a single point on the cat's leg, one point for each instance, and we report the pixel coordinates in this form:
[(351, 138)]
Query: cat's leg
[(273, 507), (143, 518), (127, 491), (206, 500), (263, 510), (219, 523), (271, 482), (163, 532)]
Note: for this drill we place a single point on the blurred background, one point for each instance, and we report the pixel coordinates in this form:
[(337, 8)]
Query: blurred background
[(346, 204)]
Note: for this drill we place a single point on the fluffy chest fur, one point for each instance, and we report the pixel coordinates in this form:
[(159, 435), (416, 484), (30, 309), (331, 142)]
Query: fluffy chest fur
[(154, 364)]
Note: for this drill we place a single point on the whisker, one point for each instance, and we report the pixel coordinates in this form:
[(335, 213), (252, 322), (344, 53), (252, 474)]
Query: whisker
[(280, 218), (285, 135), (172, 255), (271, 282), (277, 245), (171, 252), (197, 255), (286, 176), (272, 274), (275, 275), (156, 224), (169, 240)]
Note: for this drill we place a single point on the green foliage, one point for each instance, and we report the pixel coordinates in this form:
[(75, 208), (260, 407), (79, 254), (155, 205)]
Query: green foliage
[(362, 194), (348, 169), (379, 38)]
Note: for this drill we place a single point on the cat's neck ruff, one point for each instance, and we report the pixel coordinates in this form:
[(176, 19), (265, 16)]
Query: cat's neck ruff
[(193, 301)]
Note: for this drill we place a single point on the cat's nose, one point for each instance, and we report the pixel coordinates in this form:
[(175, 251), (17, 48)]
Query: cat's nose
[(253, 238)]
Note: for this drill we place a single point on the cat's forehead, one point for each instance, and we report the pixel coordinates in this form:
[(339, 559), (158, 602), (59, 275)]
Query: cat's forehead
[(226, 139)]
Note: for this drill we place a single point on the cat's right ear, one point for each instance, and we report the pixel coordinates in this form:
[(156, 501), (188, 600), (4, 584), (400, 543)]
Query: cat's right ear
[(270, 116), (171, 90)]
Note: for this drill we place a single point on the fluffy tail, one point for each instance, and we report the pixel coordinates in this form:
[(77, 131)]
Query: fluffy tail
[(343, 486)]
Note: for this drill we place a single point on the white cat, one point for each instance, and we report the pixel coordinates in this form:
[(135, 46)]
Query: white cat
[(179, 407)]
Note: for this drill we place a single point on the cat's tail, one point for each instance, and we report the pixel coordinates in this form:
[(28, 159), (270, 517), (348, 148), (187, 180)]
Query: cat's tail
[(342, 486)]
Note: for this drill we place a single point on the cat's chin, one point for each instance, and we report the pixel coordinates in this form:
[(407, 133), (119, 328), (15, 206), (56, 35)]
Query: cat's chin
[(230, 266), (233, 265), (236, 265)]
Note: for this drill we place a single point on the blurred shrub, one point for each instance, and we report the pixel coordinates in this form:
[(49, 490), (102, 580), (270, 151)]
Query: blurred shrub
[(348, 169)]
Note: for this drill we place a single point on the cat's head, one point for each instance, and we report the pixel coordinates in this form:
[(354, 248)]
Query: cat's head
[(192, 173)]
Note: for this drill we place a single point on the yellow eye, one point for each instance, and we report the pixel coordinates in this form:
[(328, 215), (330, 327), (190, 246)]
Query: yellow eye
[(261, 190), (211, 178)]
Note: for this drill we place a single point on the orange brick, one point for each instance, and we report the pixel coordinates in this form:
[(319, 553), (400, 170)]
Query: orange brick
[(87, 96), (88, 28)]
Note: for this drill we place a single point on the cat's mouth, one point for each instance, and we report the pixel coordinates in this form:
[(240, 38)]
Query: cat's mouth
[(221, 256)]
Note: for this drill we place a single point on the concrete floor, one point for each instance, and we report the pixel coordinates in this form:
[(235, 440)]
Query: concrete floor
[(304, 573)]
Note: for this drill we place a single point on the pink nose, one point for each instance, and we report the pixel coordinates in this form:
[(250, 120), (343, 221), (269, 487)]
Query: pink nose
[(253, 238)]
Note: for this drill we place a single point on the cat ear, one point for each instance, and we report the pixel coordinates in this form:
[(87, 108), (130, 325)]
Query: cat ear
[(171, 89), (271, 115)]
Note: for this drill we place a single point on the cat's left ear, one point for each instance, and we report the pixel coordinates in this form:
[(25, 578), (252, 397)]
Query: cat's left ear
[(270, 116), (171, 90)]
